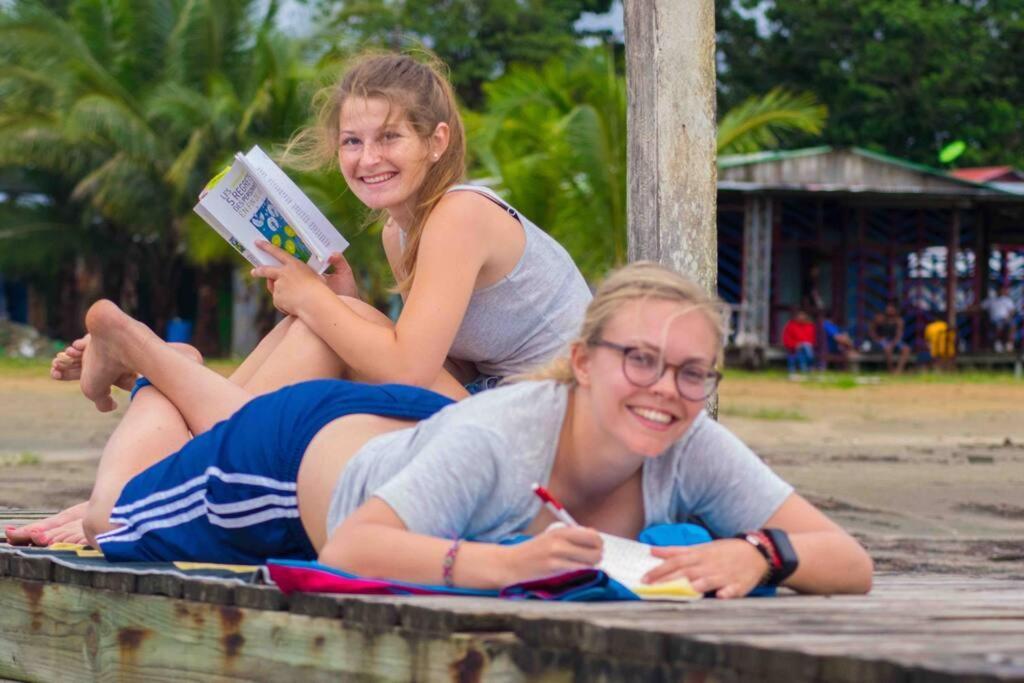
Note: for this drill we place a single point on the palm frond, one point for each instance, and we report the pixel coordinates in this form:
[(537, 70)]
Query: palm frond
[(757, 123), (111, 123)]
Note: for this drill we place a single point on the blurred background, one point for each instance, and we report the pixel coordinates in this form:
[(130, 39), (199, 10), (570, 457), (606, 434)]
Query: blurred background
[(115, 113)]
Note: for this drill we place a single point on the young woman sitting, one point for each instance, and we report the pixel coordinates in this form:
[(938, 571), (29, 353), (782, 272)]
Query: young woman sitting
[(333, 470), (487, 293)]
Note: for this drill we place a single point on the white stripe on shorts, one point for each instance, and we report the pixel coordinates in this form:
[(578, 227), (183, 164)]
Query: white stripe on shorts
[(228, 477)]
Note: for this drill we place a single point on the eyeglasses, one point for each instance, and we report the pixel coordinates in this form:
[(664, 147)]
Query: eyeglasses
[(644, 368)]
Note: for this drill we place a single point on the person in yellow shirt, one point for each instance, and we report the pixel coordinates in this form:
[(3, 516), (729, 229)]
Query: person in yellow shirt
[(941, 342)]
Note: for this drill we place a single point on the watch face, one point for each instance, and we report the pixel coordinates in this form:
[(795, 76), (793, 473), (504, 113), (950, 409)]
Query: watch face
[(787, 556)]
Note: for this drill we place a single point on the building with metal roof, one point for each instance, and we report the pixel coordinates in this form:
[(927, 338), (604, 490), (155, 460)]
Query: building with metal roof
[(851, 229)]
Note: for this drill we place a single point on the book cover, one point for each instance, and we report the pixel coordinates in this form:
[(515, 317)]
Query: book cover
[(254, 199)]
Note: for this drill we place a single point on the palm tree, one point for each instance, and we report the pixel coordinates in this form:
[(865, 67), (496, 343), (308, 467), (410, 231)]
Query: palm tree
[(554, 141), (121, 109)]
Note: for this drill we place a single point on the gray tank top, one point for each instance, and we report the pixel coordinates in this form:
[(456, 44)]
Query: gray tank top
[(526, 318)]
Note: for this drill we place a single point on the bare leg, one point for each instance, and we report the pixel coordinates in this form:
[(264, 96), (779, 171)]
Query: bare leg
[(147, 434), (121, 344), (151, 430), (252, 363), (904, 357), (319, 360)]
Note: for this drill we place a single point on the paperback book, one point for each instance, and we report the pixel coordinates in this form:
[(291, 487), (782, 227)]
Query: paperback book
[(255, 200)]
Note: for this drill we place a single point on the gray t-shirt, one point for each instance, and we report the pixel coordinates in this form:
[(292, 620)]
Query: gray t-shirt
[(466, 472), (526, 318)]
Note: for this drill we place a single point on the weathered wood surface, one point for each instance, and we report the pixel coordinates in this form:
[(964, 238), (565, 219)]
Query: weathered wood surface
[(671, 135), (56, 624)]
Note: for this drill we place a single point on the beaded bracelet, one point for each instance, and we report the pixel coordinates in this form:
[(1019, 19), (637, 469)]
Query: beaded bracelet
[(449, 563)]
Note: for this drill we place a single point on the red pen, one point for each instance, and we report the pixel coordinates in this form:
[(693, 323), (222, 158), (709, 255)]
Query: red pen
[(556, 508)]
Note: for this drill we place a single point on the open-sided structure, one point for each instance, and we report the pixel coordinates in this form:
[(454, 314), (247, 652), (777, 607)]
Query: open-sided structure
[(862, 228)]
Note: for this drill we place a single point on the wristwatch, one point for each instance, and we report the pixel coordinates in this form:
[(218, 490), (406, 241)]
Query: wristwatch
[(775, 548), (787, 559)]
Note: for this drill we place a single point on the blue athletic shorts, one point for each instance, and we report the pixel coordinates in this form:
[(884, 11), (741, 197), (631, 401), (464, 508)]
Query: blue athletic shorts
[(228, 495)]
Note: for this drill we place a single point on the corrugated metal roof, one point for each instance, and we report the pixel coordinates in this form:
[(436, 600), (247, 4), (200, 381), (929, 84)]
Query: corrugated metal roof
[(792, 172), (989, 174)]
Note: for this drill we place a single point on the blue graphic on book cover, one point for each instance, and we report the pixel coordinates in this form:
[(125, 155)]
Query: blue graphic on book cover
[(273, 226)]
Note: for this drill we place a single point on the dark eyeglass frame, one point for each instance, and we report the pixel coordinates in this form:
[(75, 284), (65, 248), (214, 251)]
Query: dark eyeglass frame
[(685, 389)]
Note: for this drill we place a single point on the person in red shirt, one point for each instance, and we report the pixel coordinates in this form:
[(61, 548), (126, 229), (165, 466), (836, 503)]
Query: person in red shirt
[(799, 338)]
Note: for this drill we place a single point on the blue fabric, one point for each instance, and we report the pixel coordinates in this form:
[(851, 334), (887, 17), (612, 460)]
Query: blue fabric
[(582, 586), (139, 383), (831, 330), (483, 383), (801, 358), (228, 495)]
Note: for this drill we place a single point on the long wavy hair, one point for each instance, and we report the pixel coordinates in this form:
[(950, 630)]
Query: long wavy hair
[(417, 90)]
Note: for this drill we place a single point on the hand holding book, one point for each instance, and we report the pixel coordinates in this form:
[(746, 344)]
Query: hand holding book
[(292, 283), (255, 200)]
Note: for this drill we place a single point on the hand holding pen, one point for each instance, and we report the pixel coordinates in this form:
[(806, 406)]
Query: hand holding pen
[(556, 551), (553, 506)]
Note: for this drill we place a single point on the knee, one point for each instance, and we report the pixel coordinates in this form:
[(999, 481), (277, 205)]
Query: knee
[(300, 330), (189, 351)]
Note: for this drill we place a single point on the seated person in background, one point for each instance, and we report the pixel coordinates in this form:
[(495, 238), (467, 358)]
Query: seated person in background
[(940, 342), (799, 338), (838, 343), (886, 334), (615, 428), (1001, 310)]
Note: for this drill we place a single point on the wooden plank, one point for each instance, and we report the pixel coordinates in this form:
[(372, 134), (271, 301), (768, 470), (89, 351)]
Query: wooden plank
[(68, 633), (916, 628)]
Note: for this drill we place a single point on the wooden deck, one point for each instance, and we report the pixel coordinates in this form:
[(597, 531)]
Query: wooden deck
[(58, 624)]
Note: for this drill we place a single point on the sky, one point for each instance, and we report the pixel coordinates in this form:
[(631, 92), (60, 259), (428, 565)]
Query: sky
[(297, 18)]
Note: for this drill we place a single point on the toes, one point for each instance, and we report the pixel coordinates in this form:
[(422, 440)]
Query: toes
[(105, 404)]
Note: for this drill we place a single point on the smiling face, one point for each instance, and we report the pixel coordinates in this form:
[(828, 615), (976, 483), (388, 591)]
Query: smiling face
[(646, 420), (381, 157)]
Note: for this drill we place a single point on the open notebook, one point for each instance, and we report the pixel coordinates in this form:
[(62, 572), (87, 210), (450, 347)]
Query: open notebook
[(627, 561)]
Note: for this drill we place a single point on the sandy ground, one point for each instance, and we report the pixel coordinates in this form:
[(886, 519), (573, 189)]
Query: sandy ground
[(929, 476)]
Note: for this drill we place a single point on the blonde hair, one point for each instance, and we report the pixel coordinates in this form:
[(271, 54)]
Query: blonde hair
[(642, 280), (420, 92)]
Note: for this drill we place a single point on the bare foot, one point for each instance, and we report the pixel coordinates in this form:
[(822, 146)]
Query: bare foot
[(67, 364), (29, 533), (72, 532), (101, 364)]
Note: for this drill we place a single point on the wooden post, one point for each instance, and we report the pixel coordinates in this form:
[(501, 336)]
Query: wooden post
[(670, 70), (951, 254)]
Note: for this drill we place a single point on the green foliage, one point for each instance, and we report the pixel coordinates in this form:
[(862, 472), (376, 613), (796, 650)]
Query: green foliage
[(117, 112), (478, 39), (903, 77), (757, 123), (553, 138)]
